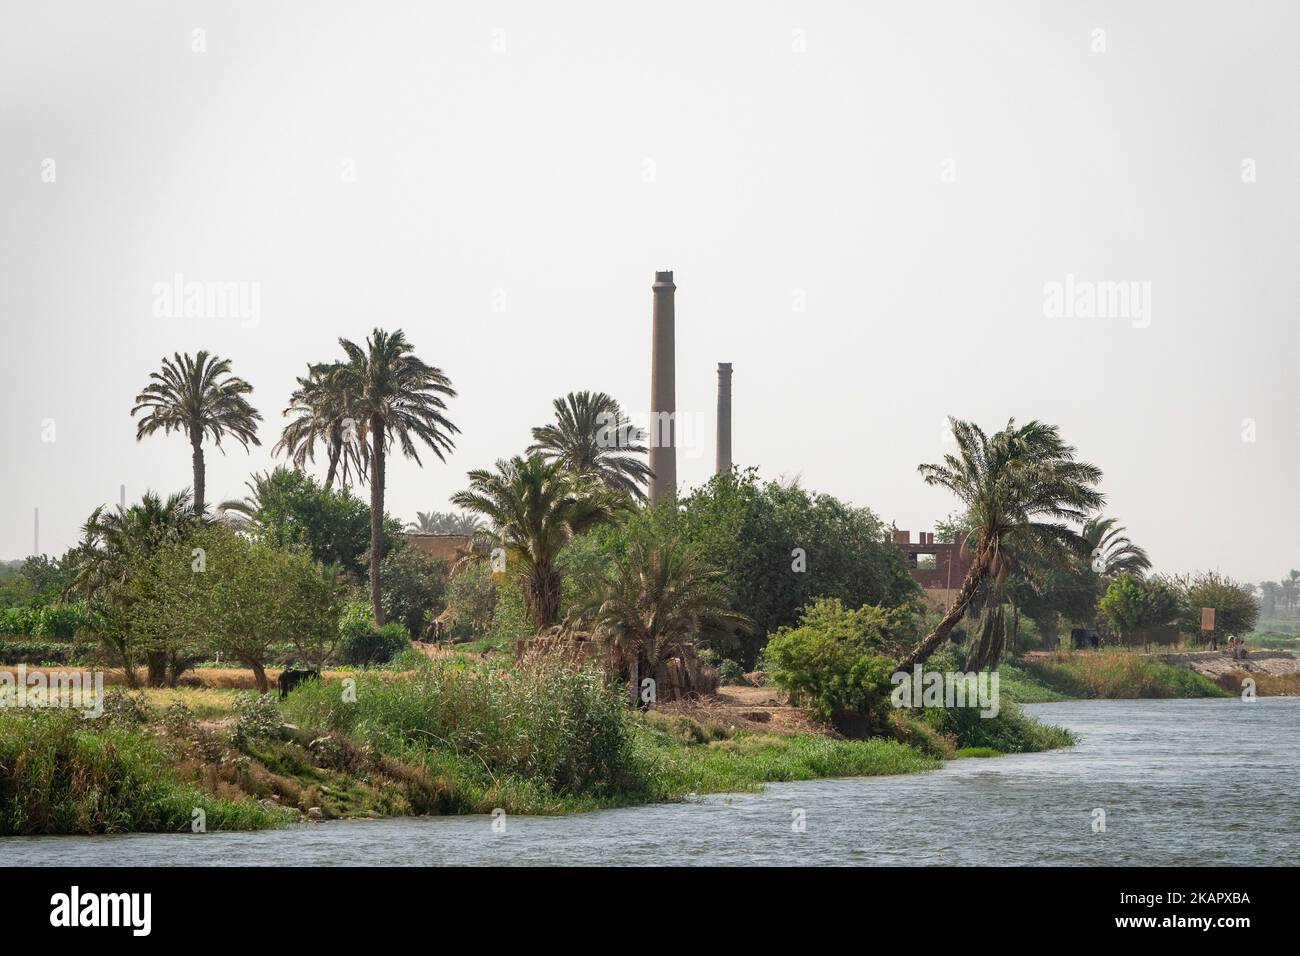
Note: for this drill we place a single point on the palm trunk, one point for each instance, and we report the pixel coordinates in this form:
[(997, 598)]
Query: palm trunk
[(544, 596), (376, 514), (196, 443), (921, 653), (336, 448)]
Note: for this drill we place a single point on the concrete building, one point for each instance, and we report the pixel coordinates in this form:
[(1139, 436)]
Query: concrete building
[(663, 391), (938, 567)]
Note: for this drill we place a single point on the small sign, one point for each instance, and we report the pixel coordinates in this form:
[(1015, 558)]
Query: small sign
[(1207, 619)]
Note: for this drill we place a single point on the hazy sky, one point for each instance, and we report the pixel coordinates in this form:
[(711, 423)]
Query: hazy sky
[(862, 204)]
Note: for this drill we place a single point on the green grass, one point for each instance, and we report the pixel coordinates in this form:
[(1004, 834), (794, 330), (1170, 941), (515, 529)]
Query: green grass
[(60, 773), (979, 752)]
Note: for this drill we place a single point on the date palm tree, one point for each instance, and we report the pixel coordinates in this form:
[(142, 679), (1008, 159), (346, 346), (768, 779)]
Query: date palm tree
[(440, 522), (321, 409), (1111, 551), (591, 435), (536, 507), (1022, 489), (649, 605), (401, 399), (198, 397)]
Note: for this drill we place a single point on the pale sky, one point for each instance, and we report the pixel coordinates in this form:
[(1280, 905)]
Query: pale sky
[(911, 175)]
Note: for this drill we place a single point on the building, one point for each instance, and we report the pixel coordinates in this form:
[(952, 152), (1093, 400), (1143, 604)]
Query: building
[(939, 568), (444, 547)]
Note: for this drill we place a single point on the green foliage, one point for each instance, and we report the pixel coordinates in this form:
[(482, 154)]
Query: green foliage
[(1118, 674), (555, 729), (413, 586), (363, 642), (472, 596), (838, 661), (257, 718), (1132, 603), (1235, 610), (749, 531), (62, 774), (219, 589), (1010, 732), (37, 580), (289, 509)]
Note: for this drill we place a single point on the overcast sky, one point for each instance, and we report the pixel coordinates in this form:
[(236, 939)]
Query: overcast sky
[(864, 204)]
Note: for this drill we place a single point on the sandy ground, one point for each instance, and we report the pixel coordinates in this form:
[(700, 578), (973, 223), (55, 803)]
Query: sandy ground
[(747, 708), (1215, 664)]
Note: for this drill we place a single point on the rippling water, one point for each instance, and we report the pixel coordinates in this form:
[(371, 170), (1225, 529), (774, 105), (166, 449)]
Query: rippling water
[(1181, 782)]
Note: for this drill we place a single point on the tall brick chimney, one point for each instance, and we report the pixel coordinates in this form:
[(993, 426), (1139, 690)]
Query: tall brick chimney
[(723, 462), (663, 392)]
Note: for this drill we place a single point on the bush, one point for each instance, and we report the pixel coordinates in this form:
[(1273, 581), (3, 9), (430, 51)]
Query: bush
[(258, 719), (412, 587), (830, 661), (362, 642), (730, 672), (1010, 732)]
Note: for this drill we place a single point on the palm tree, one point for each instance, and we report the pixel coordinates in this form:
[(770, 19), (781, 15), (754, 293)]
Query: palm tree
[(323, 410), (1112, 552), (440, 522), (649, 605), (591, 435), (398, 397), (197, 396), (113, 542), (536, 507), (1009, 483), (1270, 592)]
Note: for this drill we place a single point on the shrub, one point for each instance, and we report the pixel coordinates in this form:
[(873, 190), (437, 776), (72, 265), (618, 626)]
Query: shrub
[(730, 672), (1010, 732), (362, 642), (258, 719), (829, 662)]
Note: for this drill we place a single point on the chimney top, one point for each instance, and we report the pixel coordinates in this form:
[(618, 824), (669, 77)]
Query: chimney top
[(663, 279), (724, 366)]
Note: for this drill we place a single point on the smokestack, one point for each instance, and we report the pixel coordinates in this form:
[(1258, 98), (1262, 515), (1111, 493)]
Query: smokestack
[(663, 393), (36, 532), (724, 418)]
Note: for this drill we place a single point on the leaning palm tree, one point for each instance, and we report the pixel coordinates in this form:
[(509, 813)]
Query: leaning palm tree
[(1022, 489), (536, 507), (1111, 551), (591, 435), (440, 522), (399, 398), (650, 604), (321, 409), (197, 396)]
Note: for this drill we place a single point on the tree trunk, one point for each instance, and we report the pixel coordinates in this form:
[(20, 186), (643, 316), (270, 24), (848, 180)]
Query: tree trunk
[(376, 514), (259, 675), (544, 597), (921, 653), (196, 443), (157, 664), (336, 449)]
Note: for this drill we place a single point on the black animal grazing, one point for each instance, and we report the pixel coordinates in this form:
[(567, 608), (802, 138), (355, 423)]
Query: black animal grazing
[(289, 679)]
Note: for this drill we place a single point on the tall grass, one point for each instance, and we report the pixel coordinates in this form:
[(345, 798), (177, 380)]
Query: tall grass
[(60, 773), (528, 733), (1118, 674)]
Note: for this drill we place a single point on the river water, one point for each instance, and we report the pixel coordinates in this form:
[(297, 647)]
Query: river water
[(1181, 782)]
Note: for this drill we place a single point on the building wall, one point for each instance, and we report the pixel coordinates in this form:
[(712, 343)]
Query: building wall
[(444, 547), (943, 581)]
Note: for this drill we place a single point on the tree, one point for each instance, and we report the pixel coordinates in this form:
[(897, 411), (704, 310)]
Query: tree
[(115, 545), (591, 435), (438, 522), (241, 596), (1235, 611), (198, 397), (1008, 484), (1112, 552), (401, 399), (536, 507), (1132, 604), (323, 410), (289, 509), (471, 598), (414, 585), (650, 604)]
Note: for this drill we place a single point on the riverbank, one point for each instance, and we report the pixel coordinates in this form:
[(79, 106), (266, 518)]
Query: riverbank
[(452, 738)]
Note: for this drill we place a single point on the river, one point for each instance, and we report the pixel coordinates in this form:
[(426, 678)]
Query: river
[(1181, 782)]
